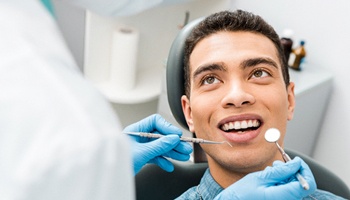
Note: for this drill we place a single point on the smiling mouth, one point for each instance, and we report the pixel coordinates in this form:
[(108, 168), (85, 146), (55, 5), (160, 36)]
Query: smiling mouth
[(241, 126)]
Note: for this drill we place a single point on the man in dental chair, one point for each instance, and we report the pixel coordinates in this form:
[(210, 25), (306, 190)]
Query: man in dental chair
[(236, 88)]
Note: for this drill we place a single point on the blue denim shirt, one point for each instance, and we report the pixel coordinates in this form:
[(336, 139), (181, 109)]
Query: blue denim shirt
[(208, 189)]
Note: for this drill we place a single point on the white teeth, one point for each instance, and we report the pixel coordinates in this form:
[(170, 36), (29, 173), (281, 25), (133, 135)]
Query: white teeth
[(240, 125), (244, 124), (256, 123), (237, 125), (230, 126), (250, 123)]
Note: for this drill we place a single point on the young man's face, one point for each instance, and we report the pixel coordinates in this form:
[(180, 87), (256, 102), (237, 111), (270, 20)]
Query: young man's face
[(237, 93)]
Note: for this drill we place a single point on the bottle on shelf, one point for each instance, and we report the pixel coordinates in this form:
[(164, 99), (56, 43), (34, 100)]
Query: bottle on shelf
[(287, 43), (299, 54)]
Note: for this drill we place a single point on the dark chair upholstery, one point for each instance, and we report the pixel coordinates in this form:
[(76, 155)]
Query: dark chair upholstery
[(174, 73), (325, 179), (154, 183)]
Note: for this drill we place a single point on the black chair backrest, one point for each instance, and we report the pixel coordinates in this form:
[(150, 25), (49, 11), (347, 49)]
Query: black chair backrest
[(152, 183), (175, 71)]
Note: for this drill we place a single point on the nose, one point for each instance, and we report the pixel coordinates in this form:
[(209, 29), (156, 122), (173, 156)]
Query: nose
[(238, 95)]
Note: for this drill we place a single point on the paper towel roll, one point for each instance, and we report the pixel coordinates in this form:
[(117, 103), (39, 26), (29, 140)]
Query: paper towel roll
[(124, 58)]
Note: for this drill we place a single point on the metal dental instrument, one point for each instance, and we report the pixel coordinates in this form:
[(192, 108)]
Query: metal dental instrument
[(185, 139), (272, 135)]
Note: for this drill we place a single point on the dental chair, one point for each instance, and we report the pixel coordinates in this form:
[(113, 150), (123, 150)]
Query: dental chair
[(152, 183)]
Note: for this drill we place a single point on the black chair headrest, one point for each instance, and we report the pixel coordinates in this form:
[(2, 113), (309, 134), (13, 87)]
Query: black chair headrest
[(175, 73)]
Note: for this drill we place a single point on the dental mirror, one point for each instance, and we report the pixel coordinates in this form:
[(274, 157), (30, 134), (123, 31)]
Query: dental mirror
[(272, 135)]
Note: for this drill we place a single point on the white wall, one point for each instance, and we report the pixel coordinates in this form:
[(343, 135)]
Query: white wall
[(71, 21), (326, 29)]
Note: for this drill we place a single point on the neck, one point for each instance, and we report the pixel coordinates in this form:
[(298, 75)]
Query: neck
[(226, 176)]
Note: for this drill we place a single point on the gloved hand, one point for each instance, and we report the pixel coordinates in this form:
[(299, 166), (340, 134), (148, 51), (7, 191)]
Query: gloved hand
[(151, 150), (276, 182)]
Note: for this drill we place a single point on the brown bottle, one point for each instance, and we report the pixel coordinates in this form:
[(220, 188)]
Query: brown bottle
[(287, 43), (299, 54)]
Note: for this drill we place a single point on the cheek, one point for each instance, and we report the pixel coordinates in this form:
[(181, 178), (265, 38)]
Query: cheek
[(197, 108), (202, 110), (278, 103)]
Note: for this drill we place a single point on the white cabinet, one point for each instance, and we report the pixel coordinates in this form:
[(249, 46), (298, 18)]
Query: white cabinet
[(313, 87)]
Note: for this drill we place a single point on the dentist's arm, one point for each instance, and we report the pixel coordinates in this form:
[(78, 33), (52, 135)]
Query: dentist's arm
[(276, 182), (150, 150)]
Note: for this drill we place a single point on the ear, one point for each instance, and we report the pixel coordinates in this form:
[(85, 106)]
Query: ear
[(291, 100), (186, 109)]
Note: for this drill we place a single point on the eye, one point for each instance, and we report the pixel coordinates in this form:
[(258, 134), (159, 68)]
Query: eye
[(209, 79), (260, 73)]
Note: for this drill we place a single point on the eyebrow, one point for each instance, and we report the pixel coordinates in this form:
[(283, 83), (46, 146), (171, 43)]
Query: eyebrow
[(251, 62), (209, 67)]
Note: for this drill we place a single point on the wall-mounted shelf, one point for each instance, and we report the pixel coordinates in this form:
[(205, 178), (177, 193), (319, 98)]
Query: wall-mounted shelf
[(157, 29), (147, 88)]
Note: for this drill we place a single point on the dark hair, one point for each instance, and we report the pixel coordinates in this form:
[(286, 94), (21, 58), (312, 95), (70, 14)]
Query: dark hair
[(238, 20)]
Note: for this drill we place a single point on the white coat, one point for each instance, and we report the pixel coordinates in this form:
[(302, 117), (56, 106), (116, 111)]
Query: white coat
[(59, 137)]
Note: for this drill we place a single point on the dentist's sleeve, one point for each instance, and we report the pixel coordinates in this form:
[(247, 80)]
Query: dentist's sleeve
[(59, 138)]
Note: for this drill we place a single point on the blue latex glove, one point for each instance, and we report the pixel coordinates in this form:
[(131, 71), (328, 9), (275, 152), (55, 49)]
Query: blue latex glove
[(150, 150), (276, 182)]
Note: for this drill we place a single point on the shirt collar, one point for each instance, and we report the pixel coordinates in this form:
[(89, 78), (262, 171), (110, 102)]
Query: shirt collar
[(208, 187)]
